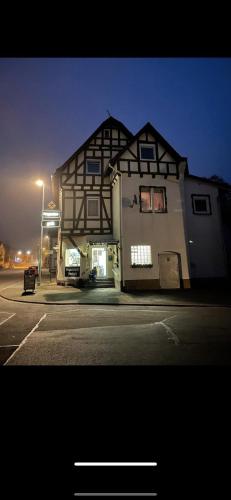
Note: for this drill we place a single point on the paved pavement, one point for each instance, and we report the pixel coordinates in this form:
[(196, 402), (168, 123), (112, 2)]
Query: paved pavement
[(50, 293)]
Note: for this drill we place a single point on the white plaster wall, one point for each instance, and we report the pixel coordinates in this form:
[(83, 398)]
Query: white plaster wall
[(207, 255), (116, 209), (116, 227), (163, 231)]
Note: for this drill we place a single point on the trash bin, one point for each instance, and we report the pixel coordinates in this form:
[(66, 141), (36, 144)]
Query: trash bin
[(29, 280)]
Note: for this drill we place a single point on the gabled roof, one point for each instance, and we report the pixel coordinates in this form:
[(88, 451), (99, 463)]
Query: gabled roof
[(109, 123), (149, 128)]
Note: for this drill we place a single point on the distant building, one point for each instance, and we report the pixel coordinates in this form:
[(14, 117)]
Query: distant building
[(131, 209), (3, 254)]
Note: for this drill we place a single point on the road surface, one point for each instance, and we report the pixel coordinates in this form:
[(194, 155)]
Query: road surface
[(37, 334)]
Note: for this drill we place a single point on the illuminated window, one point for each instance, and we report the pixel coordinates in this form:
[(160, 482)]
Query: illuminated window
[(153, 199), (141, 255), (93, 167), (72, 257), (93, 207), (147, 152), (201, 204), (146, 200)]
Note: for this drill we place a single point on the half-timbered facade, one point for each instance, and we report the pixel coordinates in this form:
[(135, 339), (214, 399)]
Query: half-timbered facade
[(124, 203), (85, 200)]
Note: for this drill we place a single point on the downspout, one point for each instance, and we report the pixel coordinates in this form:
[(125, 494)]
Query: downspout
[(121, 230), (182, 170)]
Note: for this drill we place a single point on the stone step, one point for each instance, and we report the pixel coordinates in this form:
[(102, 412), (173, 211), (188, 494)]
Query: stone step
[(100, 283)]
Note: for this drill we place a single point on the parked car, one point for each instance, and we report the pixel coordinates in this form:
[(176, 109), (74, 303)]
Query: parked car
[(34, 269)]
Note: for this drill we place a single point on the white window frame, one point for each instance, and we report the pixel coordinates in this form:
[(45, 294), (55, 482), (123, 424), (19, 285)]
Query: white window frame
[(92, 198), (141, 256), (150, 146), (88, 161), (204, 197)]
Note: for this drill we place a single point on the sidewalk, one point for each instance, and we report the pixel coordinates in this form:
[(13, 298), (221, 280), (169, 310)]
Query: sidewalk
[(52, 294)]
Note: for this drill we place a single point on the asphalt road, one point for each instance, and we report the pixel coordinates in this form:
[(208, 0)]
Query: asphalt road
[(35, 334)]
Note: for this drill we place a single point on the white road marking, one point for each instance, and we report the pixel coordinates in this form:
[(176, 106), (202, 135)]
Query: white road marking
[(110, 310), (11, 345), (25, 339), (7, 319), (170, 332), (115, 464), (10, 286), (5, 312)]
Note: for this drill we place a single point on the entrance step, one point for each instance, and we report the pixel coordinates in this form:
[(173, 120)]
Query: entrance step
[(100, 283)]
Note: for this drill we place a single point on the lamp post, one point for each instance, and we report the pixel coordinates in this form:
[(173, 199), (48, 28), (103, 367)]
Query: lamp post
[(28, 253), (40, 183)]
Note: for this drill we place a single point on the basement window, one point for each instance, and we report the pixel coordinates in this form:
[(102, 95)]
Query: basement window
[(141, 256)]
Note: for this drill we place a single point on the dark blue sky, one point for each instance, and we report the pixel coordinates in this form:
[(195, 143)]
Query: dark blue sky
[(48, 107)]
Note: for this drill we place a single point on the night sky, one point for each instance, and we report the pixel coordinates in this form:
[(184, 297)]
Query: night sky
[(49, 107)]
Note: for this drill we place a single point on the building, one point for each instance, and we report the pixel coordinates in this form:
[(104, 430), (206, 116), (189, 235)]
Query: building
[(2, 254), (131, 209)]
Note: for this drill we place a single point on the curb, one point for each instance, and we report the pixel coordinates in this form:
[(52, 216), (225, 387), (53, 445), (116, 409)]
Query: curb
[(113, 304)]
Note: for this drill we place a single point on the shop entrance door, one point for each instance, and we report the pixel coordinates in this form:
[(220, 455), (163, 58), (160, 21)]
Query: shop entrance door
[(99, 260)]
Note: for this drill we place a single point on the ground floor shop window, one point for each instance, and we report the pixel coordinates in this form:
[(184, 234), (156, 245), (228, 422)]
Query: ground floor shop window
[(141, 255), (72, 257)]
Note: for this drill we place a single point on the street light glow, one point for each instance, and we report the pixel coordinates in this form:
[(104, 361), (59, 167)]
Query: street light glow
[(39, 183), (19, 252), (28, 252)]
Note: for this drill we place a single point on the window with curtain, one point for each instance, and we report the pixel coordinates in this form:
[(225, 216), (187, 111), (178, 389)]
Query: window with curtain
[(153, 199)]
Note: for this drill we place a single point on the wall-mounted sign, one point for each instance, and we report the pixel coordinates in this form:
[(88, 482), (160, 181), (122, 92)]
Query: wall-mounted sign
[(51, 218), (51, 205), (51, 223), (72, 272), (50, 214)]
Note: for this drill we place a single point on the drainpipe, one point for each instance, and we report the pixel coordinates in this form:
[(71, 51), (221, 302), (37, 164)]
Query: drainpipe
[(182, 170), (121, 231)]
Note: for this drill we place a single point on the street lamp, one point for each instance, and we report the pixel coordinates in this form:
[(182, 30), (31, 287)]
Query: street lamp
[(28, 253), (40, 183)]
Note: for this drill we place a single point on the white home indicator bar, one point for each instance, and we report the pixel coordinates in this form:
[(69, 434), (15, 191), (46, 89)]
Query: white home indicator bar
[(115, 494), (115, 464)]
